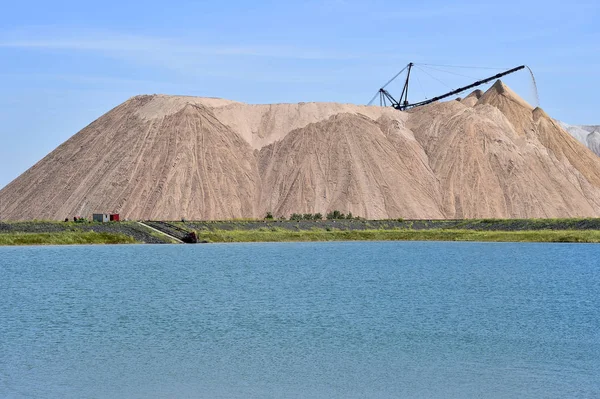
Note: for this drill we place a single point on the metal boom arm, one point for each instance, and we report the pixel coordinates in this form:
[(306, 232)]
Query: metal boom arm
[(403, 106)]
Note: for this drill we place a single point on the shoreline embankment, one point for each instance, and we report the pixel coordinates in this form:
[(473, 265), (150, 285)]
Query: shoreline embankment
[(168, 232)]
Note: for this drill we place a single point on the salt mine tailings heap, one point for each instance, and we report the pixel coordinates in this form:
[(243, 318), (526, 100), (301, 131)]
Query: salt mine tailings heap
[(490, 155), (402, 102)]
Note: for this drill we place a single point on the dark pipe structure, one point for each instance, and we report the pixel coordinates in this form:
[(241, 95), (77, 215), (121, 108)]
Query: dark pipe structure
[(402, 104)]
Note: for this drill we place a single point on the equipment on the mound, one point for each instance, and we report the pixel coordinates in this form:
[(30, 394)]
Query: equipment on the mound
[(403, 104)]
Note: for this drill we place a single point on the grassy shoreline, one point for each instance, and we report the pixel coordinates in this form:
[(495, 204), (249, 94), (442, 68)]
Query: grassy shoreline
[(483, 230), (280, 235), (64, 238)]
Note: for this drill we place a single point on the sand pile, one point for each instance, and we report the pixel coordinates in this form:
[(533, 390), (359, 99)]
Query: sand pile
[(586, 135), (171, 157), (472, 98)]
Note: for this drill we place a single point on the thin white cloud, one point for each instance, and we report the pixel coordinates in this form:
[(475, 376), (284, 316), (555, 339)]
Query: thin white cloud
[(79, 79), (187, 57), (381, 11), (116, 43), (445, 11)]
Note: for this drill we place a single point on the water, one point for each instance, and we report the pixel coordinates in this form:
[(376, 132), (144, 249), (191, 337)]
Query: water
[(301, 320)]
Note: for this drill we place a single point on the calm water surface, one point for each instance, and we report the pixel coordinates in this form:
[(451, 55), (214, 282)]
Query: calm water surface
[(301, 320)]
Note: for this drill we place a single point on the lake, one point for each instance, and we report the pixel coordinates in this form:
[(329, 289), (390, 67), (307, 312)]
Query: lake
[(301, 320)]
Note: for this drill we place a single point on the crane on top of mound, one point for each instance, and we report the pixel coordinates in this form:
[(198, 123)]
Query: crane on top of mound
[(402, 103)]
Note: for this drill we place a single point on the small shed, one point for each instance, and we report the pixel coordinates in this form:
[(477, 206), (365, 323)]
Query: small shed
[(101, 217), (114, 217)]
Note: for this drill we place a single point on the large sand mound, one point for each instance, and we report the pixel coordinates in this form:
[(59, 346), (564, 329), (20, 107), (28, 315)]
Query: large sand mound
[(172, 157)]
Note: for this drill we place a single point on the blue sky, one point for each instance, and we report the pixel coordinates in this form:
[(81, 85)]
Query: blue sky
[(65, 63)]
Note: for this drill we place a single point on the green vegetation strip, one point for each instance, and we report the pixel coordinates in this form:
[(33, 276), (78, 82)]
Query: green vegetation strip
[(64, 238), (281, 235)]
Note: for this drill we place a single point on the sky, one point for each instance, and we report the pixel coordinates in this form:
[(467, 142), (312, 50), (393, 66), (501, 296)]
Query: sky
[(65, 63)]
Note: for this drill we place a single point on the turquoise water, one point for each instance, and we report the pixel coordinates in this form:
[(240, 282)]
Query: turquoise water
[(301, 320)]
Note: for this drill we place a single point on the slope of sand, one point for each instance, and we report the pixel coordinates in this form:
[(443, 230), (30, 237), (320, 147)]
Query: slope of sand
[(593, 141), (170, 157), (370, 168), (471, 99), (586, 135)]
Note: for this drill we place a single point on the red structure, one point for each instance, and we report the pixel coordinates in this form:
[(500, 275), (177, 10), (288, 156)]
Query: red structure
[(114, 217)]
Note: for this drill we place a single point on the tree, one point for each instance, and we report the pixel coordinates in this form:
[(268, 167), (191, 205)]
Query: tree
[(269, 216)]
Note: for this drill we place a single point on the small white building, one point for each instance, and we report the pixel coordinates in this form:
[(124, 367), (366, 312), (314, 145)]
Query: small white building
[(101, 217)]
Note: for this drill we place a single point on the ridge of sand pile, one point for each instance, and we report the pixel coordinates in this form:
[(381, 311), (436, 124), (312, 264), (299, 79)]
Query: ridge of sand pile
[(258, 124), (168, 157), (472, 98)]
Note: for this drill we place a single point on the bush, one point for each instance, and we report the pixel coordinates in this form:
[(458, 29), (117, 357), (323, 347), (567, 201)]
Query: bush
[(335, 215), (269, 216), (317, 216), (296, 216), (307, 216)]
